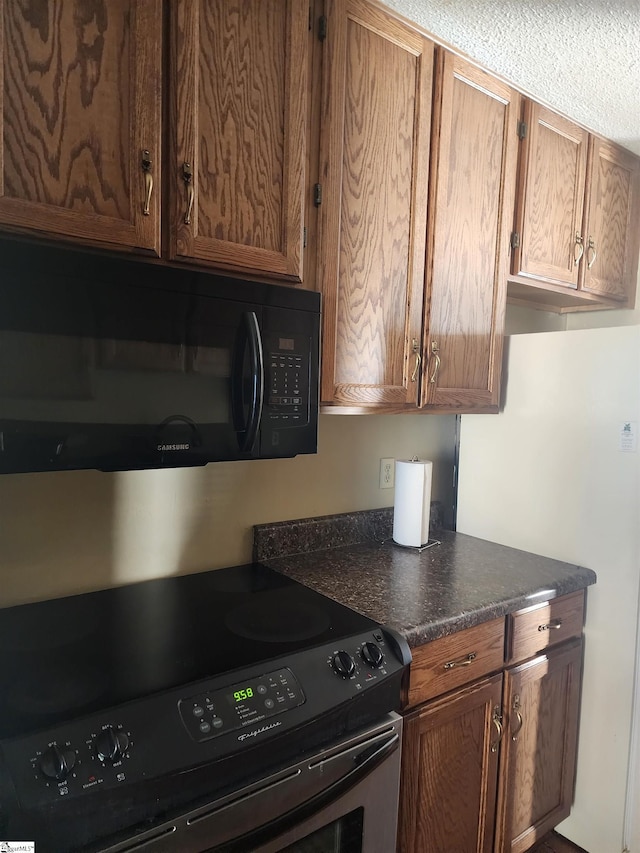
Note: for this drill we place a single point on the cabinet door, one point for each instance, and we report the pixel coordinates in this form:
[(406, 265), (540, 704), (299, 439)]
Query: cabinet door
[(80, 112), (612, 232), (449, 772), (550, 198), (374, 152), (541, 699), (470, 218), (238, 91)]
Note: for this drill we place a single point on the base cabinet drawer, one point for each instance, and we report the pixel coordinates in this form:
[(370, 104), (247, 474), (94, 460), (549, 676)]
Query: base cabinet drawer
[(534, 629), (449, 662)]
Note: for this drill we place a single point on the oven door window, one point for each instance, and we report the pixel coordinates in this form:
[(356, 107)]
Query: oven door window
[(341, 836)]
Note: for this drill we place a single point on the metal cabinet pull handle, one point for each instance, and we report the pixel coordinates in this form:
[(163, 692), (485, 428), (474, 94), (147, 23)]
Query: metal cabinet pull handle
[(466, 661), (577, 256), (497, 722), (435, 350), (591, 248), (148, 181), (516, 709), (415, 349), (187, 177), (551, 626)]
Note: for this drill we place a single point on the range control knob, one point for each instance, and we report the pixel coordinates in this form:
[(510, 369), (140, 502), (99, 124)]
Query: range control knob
[(111, 744), (344, 664), (372, 655), (57, 763)]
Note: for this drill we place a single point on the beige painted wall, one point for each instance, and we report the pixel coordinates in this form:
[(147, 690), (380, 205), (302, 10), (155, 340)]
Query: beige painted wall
[(62, 533)]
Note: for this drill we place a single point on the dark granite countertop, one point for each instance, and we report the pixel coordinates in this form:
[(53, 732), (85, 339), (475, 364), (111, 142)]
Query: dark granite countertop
[(460, 582)]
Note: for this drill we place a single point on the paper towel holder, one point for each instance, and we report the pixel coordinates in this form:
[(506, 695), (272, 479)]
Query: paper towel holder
[(429, 544)]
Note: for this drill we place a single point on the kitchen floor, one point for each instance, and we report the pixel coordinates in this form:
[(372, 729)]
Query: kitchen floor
[(554, 843)]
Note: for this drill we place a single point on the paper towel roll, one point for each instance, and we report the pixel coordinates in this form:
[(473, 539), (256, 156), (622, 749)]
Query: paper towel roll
[(412, 504)]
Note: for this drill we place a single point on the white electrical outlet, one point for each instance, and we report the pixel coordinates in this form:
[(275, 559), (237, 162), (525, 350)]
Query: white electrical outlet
[(387, 473)]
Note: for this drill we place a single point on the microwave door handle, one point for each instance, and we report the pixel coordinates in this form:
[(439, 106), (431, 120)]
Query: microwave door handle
[(249, 335)]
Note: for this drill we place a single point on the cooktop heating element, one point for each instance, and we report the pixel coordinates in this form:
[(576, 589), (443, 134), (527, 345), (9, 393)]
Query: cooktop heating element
[(124, 706)]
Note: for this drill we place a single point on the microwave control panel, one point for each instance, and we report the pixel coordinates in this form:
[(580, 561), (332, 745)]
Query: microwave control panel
[(287, 388)]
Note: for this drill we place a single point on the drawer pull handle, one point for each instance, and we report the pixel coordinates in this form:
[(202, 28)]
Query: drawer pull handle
[(497, 722), (551, 626), (435, 352), (148, 181), (516, 710), (187, 177), (466, 661), (415, 349)]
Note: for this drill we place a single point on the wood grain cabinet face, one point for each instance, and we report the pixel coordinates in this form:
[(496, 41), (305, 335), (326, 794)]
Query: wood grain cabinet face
[(534, 629), (447, 663), (474, 170), (449, 772), (374, 150), (80, 107), (493, 752), (577, 212), (537, 764), (550, 198), (238, 120), (609, 266)]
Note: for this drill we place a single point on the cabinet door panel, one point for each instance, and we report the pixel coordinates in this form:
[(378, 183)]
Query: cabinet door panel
[(612, 233), (471, 215), (541, 700), (239, 108), (550, 198), (373, 160), (449, 772), (80, 103)]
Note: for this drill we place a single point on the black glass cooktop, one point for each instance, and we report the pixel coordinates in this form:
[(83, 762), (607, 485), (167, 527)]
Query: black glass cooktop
[(66, 657)]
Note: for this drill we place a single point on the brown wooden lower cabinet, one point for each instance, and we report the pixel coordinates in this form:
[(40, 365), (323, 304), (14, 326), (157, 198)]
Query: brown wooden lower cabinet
[(538, 753), (490, 766), (450, 771)]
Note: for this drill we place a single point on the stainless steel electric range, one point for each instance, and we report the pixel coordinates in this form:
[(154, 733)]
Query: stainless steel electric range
[(232, 710)]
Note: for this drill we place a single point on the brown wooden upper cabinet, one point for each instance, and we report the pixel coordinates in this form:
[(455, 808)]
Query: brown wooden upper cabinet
[(399, 333), (374, 154), (611, 230), (577, 209), (238, 125), (471, 209), (80, 108)]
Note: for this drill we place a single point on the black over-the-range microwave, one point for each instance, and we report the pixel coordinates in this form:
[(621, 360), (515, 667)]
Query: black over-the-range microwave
[(119, 365)]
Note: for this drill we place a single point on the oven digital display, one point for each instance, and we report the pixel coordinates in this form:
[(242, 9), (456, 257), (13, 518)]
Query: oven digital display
[(241, 695), (286, 343)]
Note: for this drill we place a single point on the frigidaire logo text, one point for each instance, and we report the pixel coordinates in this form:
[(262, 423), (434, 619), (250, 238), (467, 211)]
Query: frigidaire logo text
[(174, 446), (259, 731)]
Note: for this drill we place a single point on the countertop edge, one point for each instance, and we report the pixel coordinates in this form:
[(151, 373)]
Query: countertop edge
[(434, 630), (465, 583)]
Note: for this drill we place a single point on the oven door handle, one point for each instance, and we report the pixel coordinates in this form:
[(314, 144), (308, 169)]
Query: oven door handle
[(248, 337), (364, 762)]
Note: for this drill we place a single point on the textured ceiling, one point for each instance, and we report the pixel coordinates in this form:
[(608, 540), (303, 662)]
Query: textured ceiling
[(581, 58)]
